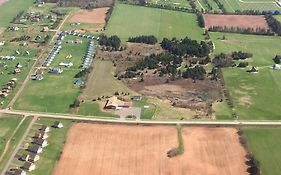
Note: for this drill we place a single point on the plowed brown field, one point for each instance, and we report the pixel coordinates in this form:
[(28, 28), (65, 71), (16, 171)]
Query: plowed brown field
[(241, 21), (95, 16), (141, 150)]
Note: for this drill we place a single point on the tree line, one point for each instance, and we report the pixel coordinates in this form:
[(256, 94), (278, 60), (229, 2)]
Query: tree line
[(150, 39), (226, 60), (112, 41), (256, 31), (186, 46), (274, 24)]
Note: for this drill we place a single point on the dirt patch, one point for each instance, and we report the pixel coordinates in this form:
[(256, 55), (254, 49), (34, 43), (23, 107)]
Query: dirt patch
[(241, 21), (245, 100), (138, 150), (213, 151), (183, 93), (96, 16)]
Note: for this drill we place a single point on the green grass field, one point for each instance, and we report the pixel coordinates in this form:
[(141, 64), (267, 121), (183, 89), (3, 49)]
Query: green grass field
[(233, 5), (265, 144), (11, 8), (90, 108), (102, 82), (253, 92), (129, 21), (55, 92), (146, 113), (8, 124), (278, 17), (222, 111)]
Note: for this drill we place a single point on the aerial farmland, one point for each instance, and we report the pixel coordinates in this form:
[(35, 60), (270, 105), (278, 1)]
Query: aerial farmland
[(139, 87)]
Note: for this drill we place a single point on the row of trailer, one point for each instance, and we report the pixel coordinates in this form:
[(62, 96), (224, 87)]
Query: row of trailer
[(88, 57)]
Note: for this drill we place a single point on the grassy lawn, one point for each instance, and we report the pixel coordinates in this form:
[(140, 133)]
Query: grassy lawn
[(56, 91), (90, 108), (102, 82), (129, 21), (146, 113), (222, 111), (265, 144), (278, 17), (7, 126), (11, 8), (252, 92)]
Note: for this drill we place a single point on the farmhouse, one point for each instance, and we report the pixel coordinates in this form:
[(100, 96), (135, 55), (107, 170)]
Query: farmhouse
[(35, 149), (30, 157), (58, 124), (19, 172), (115, 103), (41, 142), (28, 166), (45, 128), (41, 135)]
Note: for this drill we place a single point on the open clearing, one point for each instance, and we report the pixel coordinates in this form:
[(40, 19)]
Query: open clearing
[(265, 144), (241, 21), (252, 93), (117, 149), (130, 21), (90, 16)]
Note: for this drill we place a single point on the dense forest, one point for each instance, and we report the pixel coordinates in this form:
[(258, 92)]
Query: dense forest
[(273, 23), (113, 41), (186, 46), (143, 39)]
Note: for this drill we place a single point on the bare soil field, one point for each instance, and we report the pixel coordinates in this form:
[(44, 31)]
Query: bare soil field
[(241, 21), (96, 16), (122, 149)]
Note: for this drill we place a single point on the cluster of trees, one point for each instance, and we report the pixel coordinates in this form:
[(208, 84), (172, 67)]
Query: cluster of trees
[(18, 16), (143, 39), (200, 20), (113, 41), (192, 4), (186, 46), (83, 72), (277, 59), (226, 60), (165, 64), (274, 24), (239, 55), (259, 31), (108, 14), (195, 73)]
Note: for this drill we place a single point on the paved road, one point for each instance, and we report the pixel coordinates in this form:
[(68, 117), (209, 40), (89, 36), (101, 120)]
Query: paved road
[(18, 146), (150, 122)]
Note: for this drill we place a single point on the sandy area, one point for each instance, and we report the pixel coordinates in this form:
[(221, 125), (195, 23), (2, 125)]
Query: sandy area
[(242, 21), (95, 16), (141, 150)]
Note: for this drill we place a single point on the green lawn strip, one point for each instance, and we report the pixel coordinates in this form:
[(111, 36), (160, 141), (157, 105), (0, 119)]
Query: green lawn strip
[(265, 145), (15, 141), (158, 22), (222, 110), (90, 108), (146, 113)]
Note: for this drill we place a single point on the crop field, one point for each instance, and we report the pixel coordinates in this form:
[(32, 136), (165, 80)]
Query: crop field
[(241, 21), (108, 149), (55, 92), (50, 154), (173, 3), (265, 145), (10, 9), (233, 5), (158, 22), (252, 93), (11, 129)]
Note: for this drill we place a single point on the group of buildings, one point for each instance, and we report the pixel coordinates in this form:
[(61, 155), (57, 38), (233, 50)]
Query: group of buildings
[(50, 58), (39, 142), (88, 57), (8, 87)]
